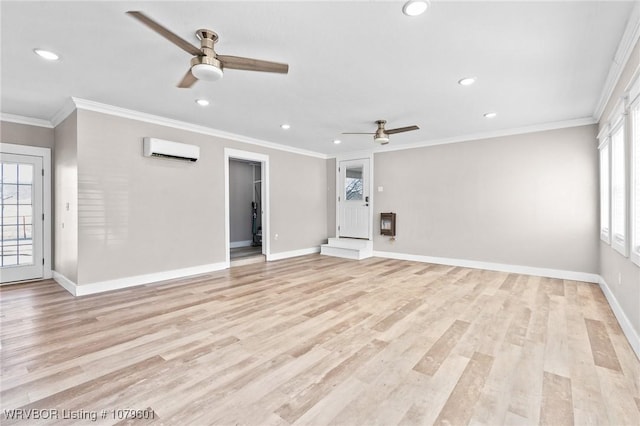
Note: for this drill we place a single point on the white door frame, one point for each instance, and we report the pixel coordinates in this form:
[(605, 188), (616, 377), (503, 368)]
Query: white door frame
[(231, 154), (360, 155), (45, 154)]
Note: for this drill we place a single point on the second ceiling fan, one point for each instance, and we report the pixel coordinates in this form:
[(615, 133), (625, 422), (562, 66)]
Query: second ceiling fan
[(381, 135), (206, 64)]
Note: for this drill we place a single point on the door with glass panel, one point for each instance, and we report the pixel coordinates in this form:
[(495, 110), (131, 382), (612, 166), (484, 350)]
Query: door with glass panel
[(22, 220), (353, 201)]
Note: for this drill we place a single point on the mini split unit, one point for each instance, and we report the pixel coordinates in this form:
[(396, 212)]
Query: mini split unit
[(153, 147)]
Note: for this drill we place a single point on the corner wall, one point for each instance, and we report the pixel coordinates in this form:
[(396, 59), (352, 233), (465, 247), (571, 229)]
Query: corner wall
[(621, 276), (65, 204), (140, 217)]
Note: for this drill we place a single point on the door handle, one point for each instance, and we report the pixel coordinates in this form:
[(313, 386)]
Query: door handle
[(366, 199)]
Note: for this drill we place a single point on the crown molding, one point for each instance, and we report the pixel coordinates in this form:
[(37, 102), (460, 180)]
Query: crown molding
[(495, 134), (76, 103), (67, 108), (29, 121), (628, 41), (87, 105)]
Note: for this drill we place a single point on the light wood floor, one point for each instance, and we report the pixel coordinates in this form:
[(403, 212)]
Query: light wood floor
[(320, 340), (243, 252)]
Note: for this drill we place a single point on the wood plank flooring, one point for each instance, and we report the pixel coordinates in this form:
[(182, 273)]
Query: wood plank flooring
[(319, 340)]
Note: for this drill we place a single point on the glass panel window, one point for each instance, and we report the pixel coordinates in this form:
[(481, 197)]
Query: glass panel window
[(25, 173), (635, 182), (9, 173), (24, 194), (604, 194), (353, 183), (618, 190), (9, 194), (17, 214)]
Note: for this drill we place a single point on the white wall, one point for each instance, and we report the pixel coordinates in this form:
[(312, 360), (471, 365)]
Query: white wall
[(140, 216), (65, 164), (24, 134), (527, 200), (331, 197)]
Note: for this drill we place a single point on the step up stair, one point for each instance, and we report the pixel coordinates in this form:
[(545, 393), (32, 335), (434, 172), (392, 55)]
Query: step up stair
[(348, 248)]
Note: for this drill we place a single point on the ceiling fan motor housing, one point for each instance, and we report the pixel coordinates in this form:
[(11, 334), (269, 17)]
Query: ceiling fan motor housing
[(206, 66)]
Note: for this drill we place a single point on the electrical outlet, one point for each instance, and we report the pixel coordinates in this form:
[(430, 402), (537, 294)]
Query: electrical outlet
[(275, 237)]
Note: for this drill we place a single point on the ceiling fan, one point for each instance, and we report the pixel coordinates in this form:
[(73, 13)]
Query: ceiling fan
[(381, 135), (206, 64)]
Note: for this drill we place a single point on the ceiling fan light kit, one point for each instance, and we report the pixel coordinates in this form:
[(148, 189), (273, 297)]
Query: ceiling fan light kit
[(206, 72)]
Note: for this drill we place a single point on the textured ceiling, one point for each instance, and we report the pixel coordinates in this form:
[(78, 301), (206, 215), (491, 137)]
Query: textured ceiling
[(351, 63)]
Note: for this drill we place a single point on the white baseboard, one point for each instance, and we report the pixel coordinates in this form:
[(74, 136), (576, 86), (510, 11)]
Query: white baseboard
[(236, 244), (120, 283), (623, 320), (292, 253), (65, 283), (501, 267)]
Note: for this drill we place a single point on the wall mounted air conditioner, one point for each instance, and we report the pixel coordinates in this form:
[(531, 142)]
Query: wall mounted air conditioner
[(153, 147)]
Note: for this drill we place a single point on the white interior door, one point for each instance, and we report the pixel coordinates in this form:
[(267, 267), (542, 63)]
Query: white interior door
[(21, 219), (353, 200)]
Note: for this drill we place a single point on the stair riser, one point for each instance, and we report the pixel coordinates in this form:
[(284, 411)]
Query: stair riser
[(345, 253), (348, 243)]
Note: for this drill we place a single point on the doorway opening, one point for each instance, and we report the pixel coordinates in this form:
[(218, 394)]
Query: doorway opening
[(246, 207)]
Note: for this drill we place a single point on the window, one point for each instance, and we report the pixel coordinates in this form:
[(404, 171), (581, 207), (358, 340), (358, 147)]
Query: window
[(353, 183), (634, 115), (618, 189), (604, 193), (17, 184)]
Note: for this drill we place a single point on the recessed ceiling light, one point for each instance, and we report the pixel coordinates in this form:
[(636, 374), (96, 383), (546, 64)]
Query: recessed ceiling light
[(415, 7), (46, 54), (337, 141), (285, 126), (202, 102), (490, 114), (467, 81)]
